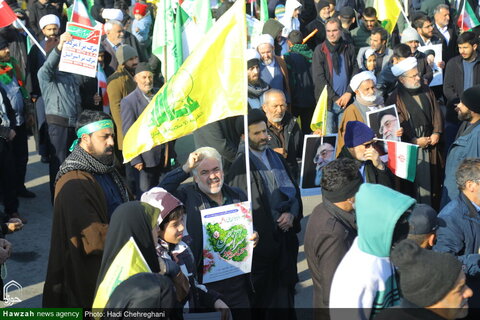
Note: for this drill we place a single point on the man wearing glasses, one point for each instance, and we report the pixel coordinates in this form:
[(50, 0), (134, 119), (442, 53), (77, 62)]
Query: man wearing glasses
[(424, 26), (421, 119)]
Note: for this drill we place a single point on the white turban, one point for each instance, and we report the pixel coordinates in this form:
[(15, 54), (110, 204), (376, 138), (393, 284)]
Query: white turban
[(264, 38), (360, 77), (49, 19), (369, 52), (252, 54), (112, 14), (404, 66)]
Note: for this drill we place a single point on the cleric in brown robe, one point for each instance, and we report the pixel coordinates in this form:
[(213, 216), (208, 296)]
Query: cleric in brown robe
[(422, 122)]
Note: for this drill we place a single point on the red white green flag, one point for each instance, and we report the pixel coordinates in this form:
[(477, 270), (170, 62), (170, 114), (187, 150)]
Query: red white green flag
[(467, 18), (80, 14), (402, 159), (7, 14)]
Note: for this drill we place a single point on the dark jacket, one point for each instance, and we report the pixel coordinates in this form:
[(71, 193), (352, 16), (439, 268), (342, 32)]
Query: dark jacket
[(459, 234), (36, 12), (322, 70), (276, 244), (328, 237), (293, 142), (361, 35), (372, 174), (453, 81), (223, 136), (129, 39), (132, 107), (449, 50), (301, 82), (319, 37), (195, 201)]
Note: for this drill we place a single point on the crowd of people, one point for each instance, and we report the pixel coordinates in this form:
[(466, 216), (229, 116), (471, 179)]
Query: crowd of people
[(377, 245)]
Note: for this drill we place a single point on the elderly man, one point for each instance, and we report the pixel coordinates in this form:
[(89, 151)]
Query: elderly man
[(207, 191), (60, 92), (443, 31), (333, 64), (359, 145), (459, 231), (331, 228), (467, 141), (87, 191), (151, 164), (363, 84), (388, 125), (277, 211), (116, 35), (422, 123), (286, 138), (273, 69), (378, 42)]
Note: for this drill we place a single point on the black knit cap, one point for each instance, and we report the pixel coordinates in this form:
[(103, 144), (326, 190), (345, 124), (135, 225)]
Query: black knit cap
[(322, 4), (471, 98), (255, 116), (143, 66), (426, 276)]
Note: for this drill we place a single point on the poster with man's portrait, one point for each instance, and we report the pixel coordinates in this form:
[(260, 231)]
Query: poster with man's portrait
[(433, 54), (317, 152), (384, 123)]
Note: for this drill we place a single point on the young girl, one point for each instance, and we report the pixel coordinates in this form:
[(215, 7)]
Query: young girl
[(369, 61)]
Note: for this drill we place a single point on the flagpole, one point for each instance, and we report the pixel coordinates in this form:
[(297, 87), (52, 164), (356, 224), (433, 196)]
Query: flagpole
[(462, 14), (399, 4), (31, 37), (247, 159)]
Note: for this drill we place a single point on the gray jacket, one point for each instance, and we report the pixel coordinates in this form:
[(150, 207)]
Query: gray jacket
[(60, 91)]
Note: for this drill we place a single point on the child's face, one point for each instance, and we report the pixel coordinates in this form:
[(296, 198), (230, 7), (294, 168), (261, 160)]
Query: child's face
[(173, 232), (138, 16), (371, 63)]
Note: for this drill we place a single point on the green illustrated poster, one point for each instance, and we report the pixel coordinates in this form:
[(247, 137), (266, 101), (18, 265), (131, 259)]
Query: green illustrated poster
[(227, 252)]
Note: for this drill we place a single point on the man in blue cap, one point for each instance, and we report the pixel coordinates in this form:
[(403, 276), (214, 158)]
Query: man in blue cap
[(423, 226), (360, 145)]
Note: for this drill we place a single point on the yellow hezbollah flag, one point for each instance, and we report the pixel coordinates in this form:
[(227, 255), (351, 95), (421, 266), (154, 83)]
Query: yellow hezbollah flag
[(319, 119), (210, 85), (387, 12), (128, 262)]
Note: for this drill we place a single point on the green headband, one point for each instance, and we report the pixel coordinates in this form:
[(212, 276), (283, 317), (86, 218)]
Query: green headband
[(90, 128)]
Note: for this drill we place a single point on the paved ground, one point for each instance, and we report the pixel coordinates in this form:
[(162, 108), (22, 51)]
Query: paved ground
[(28, 263)]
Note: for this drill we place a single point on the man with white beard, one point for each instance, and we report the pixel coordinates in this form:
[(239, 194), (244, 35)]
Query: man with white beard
[(366, 99), (421, 119), (208, 191), (286, 137)]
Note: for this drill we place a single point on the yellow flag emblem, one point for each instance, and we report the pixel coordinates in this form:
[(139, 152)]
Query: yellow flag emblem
[(128, 262), (210, 85), (319, 119)]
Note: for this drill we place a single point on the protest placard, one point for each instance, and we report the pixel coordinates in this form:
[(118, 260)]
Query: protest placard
[(227, 252), (434, 56), (317, 152), (80, 55)]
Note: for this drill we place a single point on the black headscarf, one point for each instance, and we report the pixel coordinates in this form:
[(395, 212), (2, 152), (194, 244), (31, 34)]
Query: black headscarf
[(143, 290), (131, 219)]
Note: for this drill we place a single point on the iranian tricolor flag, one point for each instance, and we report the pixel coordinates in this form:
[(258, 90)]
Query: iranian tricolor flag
[(7, 14), (467, 18), (193, 20), (102, 84), (80, 14), (402, 159)]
